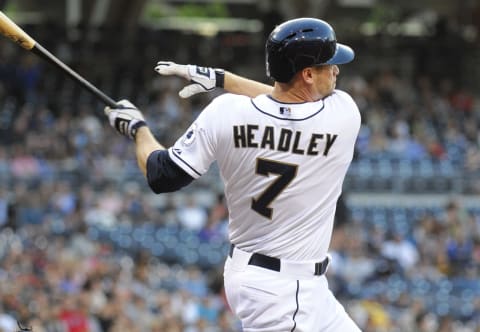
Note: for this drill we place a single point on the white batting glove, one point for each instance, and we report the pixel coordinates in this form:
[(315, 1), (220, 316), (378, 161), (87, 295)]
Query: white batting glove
[(203, 79), (126, 118)]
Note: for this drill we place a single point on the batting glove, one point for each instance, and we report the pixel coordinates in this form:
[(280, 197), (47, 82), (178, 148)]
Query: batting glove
[(203, 79), (126, 118)]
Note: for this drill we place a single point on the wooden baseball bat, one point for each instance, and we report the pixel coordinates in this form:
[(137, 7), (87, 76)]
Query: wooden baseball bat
[(12, 31)]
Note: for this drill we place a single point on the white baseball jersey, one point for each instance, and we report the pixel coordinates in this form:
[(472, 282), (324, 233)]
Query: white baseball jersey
[(283, 166)]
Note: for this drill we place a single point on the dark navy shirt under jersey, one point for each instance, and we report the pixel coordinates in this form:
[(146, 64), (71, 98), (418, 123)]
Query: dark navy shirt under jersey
[(164, 175)]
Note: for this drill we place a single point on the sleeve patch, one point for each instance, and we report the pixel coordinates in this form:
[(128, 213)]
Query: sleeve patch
[(190, 135)]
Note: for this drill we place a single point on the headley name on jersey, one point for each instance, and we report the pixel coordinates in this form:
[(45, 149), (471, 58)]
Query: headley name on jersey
[(286, 140)]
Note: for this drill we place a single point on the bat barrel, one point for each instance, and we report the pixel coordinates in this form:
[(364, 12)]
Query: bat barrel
[(15, 33), (9, 29)]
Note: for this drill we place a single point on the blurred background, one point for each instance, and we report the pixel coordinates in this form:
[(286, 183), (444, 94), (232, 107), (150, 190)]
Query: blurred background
[(85, 246)]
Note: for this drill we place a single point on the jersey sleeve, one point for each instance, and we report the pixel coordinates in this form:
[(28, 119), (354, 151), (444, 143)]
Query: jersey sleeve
[(194, 151)]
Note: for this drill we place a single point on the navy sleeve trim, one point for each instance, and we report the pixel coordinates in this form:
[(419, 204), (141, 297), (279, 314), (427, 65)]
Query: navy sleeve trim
[(164, 175)]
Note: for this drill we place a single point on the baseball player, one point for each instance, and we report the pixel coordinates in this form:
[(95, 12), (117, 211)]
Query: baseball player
[(283, 153)]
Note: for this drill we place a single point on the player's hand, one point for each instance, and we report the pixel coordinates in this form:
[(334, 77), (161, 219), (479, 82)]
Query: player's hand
[(203, 79), (126, 118)]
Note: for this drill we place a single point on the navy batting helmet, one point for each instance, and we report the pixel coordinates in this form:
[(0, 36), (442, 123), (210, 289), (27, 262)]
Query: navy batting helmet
[(300, 43)]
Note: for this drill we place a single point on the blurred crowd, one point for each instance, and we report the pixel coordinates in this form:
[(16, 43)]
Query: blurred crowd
[(65, 174)]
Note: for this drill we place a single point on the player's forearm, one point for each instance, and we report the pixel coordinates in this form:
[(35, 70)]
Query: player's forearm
[(145, 144), (244, 86)]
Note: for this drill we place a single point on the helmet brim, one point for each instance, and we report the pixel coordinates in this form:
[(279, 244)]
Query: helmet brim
[(343, 54)]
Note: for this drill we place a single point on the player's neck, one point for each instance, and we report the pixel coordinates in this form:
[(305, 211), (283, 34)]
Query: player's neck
[(288, 93)]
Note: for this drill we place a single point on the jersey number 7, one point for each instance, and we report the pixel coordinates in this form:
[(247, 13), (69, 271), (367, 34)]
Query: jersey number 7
[(286, 173)]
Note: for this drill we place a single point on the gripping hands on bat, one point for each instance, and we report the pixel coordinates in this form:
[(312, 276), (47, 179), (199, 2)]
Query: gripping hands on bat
[(125, 118)]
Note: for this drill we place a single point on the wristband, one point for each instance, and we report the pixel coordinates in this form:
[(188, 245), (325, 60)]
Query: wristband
[(219, 78), (136, 126)]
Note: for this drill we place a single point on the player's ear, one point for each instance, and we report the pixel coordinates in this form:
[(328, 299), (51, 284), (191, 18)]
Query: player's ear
[(307, 75)]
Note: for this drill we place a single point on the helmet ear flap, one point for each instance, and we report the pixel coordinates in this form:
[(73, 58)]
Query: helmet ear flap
[(279, 67)]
